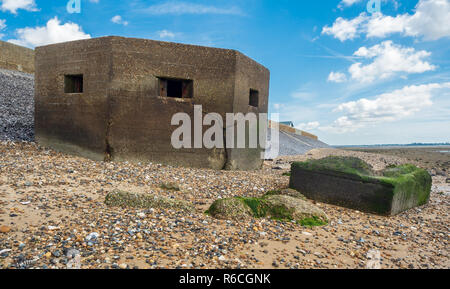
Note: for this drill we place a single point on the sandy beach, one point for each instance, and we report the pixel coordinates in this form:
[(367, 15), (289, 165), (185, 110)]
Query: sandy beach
[(51, 203)]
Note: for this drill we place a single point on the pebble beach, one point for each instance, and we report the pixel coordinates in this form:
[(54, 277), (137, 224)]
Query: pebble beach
[(53, 215)]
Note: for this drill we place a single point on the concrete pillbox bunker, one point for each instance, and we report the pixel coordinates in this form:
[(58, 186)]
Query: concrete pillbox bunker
[(113, 98)]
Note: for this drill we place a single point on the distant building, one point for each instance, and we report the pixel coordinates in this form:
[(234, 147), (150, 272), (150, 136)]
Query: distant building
[(113, 98), (288, 123)]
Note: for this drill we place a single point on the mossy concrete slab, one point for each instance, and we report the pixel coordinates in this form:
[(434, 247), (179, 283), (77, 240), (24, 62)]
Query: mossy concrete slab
[(230, 209), (350, 182), (271, 205), (125, 199)]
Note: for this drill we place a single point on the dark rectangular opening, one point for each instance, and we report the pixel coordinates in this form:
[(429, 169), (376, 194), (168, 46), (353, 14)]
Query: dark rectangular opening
[(73, 83), (254, 98), (178, 88)]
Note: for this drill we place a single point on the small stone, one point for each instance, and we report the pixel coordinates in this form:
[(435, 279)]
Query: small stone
[(72, 253), (440, 173), (123, 266), (5, 229), (307, 233), (92, 236), (4, 251), (48, 255), (447, 180)]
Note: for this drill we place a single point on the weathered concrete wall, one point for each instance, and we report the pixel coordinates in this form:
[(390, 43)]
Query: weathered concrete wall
[(249, 75), (120, 115), (372, 197), (14, 57), (396, 190), (141, 120), (73, 123)]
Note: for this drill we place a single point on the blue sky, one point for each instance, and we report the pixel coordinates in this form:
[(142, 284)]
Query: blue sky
[(338, 71)]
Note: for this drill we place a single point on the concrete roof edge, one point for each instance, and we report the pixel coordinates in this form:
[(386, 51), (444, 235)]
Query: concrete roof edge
[(171, 42), (237, 53), (12, 44), (72, 41)]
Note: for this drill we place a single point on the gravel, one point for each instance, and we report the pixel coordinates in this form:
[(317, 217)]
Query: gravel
[(16, 106), (64, 204)]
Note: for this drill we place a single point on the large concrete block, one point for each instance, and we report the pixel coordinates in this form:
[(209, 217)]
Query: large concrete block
[(351, 183)]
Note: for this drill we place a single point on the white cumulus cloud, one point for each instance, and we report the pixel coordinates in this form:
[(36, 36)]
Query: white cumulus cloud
[(429, 21), (344, 29), (52, 32), (309, 126), (387, 107), (118, 20), (14, 5), (388, 59), (337, 77), (166, 34)]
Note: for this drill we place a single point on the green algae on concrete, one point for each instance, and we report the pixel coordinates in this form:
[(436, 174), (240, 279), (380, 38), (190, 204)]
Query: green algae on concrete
[(346, 165), (232, 208), (287, 192), (271, 205), (352, 183), (125, 199)]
